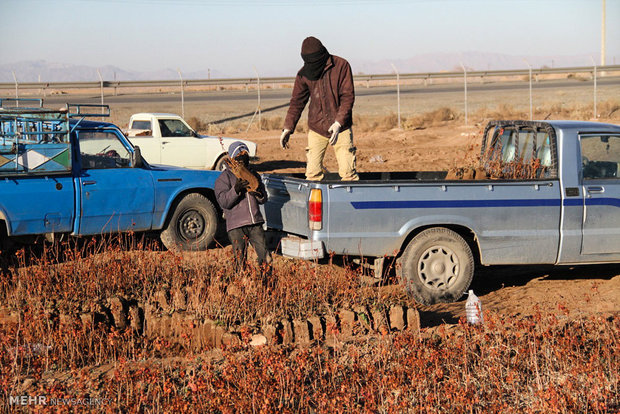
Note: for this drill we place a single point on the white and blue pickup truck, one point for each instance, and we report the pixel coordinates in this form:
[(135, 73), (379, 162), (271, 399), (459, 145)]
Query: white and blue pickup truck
[(550, 195), (63, 175)]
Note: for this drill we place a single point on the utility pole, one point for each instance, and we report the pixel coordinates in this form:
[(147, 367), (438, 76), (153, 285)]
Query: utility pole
[(603, 37)]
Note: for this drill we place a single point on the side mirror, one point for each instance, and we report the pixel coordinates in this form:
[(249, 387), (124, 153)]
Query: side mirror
[(136, 158)]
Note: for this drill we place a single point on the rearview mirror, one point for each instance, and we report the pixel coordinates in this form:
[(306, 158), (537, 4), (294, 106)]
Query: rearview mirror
[(136, 158)]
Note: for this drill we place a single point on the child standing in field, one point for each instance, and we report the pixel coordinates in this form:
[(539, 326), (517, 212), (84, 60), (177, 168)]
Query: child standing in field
[(244, 221)]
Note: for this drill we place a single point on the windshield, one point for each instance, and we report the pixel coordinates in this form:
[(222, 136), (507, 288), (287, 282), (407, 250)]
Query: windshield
[(174, 128)]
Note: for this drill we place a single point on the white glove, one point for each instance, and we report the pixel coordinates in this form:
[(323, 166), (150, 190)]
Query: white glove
[(286, 134), (335, 130)]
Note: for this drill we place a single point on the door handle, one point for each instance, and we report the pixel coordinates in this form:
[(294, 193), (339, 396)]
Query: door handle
[(165, 142), (595, 190), (89, 182)]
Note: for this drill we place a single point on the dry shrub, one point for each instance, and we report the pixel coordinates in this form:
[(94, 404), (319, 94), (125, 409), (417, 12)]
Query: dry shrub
[(501, 111), (539, 363), (197, 124), (609, 109), (520, 364), (388, 122), (369, 123), (432, 118), (223, 129), (578, 77), (272, 124)]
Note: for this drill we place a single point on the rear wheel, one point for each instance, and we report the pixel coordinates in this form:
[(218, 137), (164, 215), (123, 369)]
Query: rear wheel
[(192, 225), (437, 266)]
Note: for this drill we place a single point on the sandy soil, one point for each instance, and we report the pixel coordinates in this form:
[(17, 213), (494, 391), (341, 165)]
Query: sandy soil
[(436, 148)]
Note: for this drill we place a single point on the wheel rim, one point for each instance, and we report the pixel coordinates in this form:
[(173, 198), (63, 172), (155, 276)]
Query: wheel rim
[(191, 225), (438, 267)]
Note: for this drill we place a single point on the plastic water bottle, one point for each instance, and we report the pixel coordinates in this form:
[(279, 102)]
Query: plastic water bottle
[(473, 309)]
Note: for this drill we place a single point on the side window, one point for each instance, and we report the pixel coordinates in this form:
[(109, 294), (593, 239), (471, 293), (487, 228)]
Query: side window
[(173, 128), (141, 125), (523, 153), (103, 149), (600, 156), (543, 151), (509, 148)]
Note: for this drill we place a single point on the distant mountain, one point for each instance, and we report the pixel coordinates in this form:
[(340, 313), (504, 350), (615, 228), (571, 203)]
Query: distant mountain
[(33, 71), (437, 62)]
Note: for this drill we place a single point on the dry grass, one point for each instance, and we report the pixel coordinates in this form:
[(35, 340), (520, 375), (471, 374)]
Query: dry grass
[(543, 363), (608, 110)]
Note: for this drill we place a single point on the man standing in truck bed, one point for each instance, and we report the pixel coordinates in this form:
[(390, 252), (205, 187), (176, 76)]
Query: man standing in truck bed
[(327, 81)]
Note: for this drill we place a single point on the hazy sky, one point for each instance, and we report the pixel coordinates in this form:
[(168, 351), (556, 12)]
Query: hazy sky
[(237, 35)]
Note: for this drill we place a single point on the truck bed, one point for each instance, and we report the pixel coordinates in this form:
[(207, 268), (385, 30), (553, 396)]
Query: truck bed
[(373, 216), (379, 176)]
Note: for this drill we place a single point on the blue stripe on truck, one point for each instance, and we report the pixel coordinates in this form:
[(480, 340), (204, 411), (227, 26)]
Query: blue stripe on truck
[(544, 202), (366, 205)]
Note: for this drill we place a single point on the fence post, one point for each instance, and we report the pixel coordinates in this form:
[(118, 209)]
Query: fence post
[(530, 80), (258, 107), (258, 89), (16, 89), (182, 95), (465, 83), (101, 84), (595, 76), (397, 92)]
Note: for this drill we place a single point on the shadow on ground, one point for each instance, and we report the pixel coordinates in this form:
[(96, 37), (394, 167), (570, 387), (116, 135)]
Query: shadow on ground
[(492, 278)]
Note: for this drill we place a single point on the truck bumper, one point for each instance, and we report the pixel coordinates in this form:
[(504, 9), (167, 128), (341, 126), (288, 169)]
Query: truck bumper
[(302, 248)]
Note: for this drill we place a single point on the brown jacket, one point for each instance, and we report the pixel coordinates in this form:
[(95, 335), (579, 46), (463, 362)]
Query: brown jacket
[(331, 98)]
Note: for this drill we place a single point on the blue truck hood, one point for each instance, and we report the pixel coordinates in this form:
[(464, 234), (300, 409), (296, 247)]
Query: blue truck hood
[(173, 173)]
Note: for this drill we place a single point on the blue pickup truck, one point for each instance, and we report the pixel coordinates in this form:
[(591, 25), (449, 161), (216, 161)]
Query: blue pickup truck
[(61, 174), (550, 194)]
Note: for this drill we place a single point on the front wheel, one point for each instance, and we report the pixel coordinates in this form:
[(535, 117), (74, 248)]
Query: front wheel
[(192, 225), (220, 163), (437, 266)]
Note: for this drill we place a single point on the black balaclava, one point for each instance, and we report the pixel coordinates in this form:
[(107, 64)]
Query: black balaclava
[(315, 57), (243, 158)]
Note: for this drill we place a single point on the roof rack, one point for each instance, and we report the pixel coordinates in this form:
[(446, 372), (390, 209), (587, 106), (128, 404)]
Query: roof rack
[(17, 101), (79, 110)]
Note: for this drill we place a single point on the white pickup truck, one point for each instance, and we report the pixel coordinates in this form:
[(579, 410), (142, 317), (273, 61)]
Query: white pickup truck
[(168, 139)]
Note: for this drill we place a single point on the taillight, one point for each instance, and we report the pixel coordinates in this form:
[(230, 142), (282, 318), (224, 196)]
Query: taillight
[(315, 209)]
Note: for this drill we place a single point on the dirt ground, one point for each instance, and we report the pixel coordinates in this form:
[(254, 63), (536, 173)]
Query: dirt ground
[(433, 149)]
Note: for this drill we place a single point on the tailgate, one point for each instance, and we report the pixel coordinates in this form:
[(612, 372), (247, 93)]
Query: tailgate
[(286, 208)]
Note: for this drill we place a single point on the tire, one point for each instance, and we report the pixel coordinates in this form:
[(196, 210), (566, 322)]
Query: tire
[(437, 266), (219, 164), (192, 225)]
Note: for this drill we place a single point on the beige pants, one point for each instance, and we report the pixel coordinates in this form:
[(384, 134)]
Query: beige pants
[(345, 155)]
